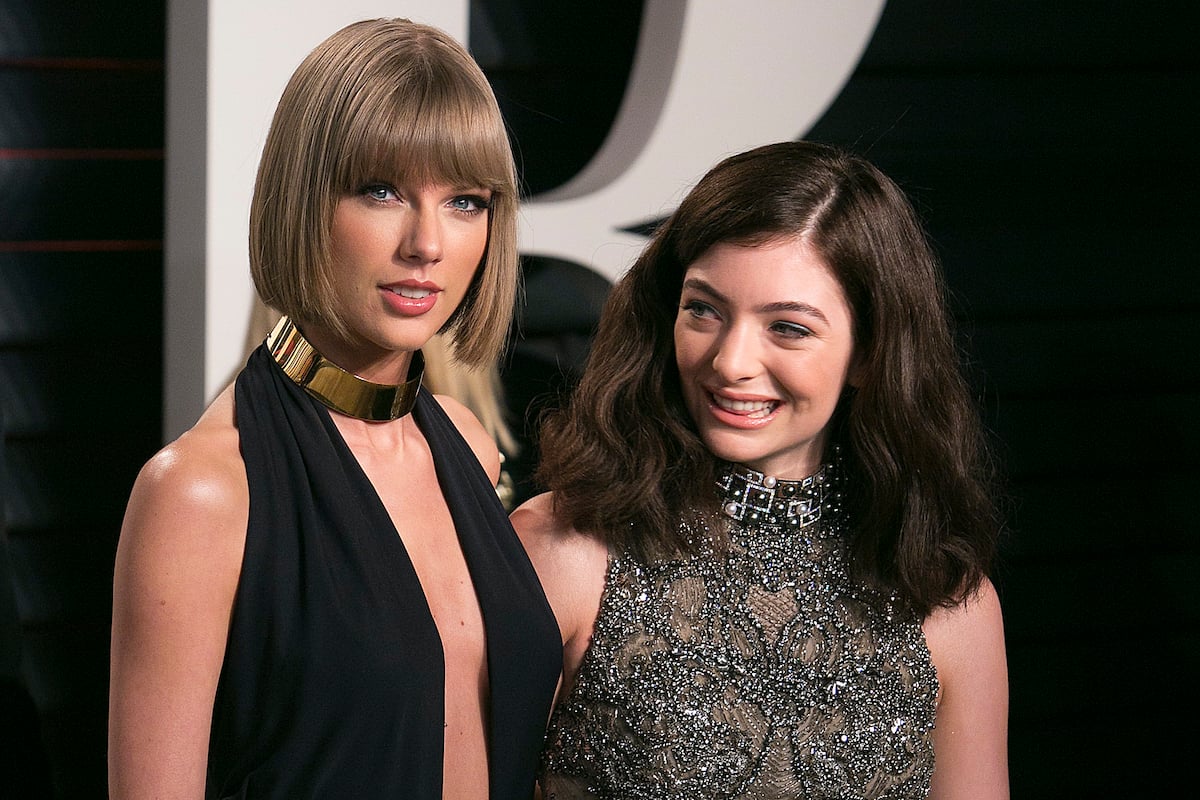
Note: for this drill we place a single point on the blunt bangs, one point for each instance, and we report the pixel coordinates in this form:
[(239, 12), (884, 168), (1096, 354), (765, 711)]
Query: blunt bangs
[(444, 131), (383, 101)]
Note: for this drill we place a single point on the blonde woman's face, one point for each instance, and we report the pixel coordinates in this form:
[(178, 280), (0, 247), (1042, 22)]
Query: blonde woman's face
[(403, 257)]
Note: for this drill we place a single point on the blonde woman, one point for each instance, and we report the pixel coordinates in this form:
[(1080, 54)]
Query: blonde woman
[(317, 592)]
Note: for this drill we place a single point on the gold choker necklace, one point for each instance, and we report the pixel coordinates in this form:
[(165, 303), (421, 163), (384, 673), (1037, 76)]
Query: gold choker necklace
[(337, 388)]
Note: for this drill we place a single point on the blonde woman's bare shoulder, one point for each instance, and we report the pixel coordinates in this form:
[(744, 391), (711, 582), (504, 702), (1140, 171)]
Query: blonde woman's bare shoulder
[(481, 443), (194, 485), (178, 562)]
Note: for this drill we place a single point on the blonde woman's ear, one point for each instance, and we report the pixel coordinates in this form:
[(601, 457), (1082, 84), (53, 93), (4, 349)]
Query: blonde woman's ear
[(262, 320)]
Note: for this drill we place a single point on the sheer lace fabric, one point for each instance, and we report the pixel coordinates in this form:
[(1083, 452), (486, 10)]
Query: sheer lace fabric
[(758, 672)]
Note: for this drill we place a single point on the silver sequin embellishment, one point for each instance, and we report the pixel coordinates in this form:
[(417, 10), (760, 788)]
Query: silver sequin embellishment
[(757, 673)]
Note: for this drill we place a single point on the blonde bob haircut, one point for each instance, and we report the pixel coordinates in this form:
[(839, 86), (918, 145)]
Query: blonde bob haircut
[(382, 100)]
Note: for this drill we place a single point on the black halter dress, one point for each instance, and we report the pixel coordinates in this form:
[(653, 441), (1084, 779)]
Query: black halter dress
[(333, 682)]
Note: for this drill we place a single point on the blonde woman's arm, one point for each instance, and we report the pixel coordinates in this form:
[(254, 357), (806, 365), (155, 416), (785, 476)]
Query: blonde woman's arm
[(177, 568)]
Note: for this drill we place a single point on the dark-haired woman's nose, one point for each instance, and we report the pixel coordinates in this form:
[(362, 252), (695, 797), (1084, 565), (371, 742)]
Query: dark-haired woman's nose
[(738, 355)]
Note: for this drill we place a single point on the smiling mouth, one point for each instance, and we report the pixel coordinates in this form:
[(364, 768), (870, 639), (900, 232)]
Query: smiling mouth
[(412, 293), (754, 409)]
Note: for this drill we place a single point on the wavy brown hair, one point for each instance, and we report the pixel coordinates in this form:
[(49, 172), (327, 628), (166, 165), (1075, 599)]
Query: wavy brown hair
[(623, 457)]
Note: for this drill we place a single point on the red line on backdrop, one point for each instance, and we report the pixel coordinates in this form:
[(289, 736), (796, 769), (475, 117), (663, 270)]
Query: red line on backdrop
[(132, 64), (99, 153), (81, 246), (81, 153)]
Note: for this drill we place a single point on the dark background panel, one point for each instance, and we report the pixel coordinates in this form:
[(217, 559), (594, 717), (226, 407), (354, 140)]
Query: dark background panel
[(1105, 511), (1050, 150), (81, 137), (47, 388), (56, 482), (1043, 354), (72, 105), (54, 296), (1057, 271), (107, 30), (1098, 434), (559, 72), (103, 199)]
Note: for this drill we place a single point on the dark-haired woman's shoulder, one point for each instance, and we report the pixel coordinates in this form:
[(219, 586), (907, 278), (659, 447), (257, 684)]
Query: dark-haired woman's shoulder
[(572, 567), (971, 734)]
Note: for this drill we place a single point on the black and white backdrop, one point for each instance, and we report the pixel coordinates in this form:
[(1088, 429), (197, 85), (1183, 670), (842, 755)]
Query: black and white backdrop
[(1050, 147)]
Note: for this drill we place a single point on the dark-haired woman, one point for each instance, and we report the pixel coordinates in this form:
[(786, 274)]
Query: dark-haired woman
[(770, 519)]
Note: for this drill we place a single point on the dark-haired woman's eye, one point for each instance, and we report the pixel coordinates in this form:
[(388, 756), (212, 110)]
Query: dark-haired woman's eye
[(698, 308), (790, 330)]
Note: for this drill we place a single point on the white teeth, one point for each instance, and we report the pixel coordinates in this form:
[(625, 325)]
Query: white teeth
[(412, 294), (751, 408)]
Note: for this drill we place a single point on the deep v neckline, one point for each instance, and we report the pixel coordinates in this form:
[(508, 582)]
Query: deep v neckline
[(333, 681)]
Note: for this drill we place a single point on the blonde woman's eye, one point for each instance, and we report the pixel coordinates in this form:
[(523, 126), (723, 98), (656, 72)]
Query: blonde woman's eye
[(470, 203), (378, 191)]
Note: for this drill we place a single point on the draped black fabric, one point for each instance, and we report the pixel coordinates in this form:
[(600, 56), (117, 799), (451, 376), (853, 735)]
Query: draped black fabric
[(333, 681)]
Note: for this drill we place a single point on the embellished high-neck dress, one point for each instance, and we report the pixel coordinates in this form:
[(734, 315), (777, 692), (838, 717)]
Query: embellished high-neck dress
[(753, 671)]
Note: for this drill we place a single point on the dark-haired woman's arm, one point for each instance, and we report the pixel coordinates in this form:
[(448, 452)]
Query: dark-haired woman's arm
[(971, 733)]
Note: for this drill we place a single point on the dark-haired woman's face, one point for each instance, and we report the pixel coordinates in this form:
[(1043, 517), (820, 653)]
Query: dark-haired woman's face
[(764, 344)]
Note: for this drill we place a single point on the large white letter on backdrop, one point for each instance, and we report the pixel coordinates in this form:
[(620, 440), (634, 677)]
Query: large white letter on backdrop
[(710, 78)]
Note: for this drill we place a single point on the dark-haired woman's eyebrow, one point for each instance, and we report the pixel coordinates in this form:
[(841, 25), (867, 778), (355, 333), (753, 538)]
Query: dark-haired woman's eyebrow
[(795, 307), (700, 285)]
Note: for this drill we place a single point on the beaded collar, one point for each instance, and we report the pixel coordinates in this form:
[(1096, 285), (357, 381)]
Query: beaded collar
[(750, 496)]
